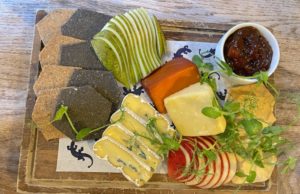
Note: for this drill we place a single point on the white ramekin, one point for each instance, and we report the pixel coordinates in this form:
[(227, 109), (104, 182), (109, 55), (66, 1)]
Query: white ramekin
[(242, 80)]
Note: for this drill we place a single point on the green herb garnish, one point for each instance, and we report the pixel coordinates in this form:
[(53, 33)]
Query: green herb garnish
[(164, 141), (81, 134), (262, 141), (289, 164)]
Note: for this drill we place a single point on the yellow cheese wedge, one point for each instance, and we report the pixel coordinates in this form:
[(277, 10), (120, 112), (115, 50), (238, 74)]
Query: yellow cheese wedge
[(126, 138), (185, 110), (120, 158), (262, 174)]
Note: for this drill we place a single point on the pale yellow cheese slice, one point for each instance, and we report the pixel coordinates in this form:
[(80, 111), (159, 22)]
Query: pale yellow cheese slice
[(124, 144), (185, 110), (145, 111), (134, 126), (117, 156), (123, 136)]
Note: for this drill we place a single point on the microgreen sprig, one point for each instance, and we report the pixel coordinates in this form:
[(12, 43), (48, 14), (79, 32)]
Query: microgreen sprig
[(82, 133), (164, 141), (265, 139), (207, 70)]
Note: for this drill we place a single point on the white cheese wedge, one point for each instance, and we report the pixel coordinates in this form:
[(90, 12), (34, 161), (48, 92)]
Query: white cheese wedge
[(127, 139), (143, 110), (134, 126), (124, 144), (119, 157), (185, 110)]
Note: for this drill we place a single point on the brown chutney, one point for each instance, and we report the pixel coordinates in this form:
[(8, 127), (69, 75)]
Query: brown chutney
[(247, 52)]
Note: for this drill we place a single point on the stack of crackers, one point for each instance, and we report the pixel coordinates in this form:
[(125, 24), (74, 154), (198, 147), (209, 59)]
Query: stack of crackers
[(72, 75)]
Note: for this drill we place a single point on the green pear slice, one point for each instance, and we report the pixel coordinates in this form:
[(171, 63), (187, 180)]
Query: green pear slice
[(122, 26), (113, 29), (147, 40), (105, 50), (111, 40), (135, 66), (154, 36), (139, 48), (141, 32), (161, 43), (130, 45)]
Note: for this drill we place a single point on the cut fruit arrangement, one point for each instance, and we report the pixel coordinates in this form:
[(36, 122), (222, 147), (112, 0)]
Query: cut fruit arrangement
[(206, 143), (187, 165), (130, 45)]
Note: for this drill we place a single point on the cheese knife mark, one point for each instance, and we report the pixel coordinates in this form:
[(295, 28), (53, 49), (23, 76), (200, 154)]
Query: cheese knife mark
[(78, 154)]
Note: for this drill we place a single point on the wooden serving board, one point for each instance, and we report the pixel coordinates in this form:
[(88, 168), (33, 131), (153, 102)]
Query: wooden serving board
[(37, 167)]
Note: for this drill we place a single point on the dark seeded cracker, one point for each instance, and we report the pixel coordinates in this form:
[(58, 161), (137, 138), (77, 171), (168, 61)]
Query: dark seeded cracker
[(84, 24)]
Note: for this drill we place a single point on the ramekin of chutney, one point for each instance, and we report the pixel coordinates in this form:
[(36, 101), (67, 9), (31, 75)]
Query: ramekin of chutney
[(248, 48)]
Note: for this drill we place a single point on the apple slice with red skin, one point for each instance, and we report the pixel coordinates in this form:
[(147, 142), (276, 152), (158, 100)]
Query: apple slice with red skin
[(218, 166), (211, 167), (218, 172), (232, 164), (225, 163), (190, 149), (233, 167), (201, 164), (178, 160)]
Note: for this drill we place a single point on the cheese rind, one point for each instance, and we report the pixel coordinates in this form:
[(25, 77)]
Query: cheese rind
[(185, 110)]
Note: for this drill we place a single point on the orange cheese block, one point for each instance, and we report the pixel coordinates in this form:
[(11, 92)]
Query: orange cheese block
[(170, 78)]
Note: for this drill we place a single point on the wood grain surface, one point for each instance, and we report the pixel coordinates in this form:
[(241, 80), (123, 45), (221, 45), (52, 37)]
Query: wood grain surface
[(16, 35)]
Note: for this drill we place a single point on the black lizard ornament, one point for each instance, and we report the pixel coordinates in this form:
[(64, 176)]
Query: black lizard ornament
[(78, 154), (222, 95), (184, 50), (135, 90), (207, 54)]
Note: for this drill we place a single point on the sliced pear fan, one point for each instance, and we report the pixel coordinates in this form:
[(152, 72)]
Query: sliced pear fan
[(130, 45)]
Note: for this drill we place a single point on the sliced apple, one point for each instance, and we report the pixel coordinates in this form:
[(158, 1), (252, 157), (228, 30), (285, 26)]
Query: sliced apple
[(211, 166), (218, 165), (225, 166), (232, 168), (216, 173), (177, 161), (184, 178), (201, 164)]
